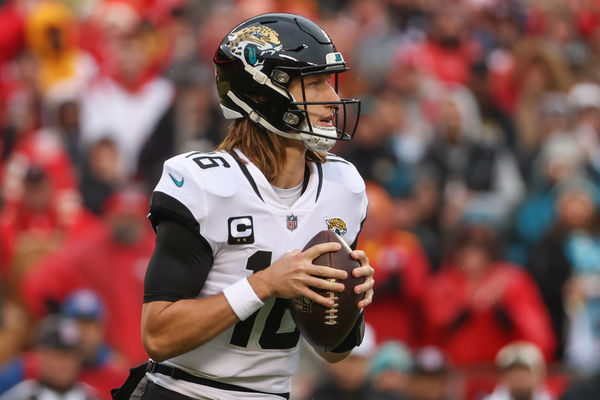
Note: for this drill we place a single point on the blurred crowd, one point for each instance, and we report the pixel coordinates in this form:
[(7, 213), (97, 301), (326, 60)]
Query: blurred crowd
[(479, 140)]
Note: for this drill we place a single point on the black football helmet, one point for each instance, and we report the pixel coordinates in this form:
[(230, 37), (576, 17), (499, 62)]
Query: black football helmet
[(255, 64)]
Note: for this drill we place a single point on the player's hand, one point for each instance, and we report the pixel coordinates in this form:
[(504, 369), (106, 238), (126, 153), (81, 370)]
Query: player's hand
[(367, 271), (294, 274)]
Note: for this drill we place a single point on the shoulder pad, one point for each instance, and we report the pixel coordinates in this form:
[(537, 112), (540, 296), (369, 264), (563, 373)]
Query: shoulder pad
[(211, 172), (189, 182), (345, 172)]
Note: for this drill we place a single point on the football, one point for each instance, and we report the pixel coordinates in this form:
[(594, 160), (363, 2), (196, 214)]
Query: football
[(326, 327)]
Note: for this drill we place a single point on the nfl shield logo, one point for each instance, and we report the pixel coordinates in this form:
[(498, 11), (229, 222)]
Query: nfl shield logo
[(292, 222)]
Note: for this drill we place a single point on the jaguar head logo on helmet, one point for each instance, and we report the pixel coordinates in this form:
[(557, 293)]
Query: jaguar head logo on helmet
[(246, 42), (259, 59)]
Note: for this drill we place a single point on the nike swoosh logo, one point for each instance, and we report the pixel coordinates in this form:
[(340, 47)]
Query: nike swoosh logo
[(178, 183)]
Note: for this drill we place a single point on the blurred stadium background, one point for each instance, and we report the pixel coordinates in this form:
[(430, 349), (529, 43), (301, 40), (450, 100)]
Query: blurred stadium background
[(479, 139)]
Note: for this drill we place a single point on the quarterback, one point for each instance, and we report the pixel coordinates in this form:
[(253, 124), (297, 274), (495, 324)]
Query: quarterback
[(229, 224)]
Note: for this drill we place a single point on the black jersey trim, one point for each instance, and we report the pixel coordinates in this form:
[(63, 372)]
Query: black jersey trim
[(176, 373), (164, 206), (333, 158), (353, 245), (247, 174), (336, 160), (320, 186), (306, 178)]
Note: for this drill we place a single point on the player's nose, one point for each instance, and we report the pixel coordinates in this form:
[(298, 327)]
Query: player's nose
[(331, 94)]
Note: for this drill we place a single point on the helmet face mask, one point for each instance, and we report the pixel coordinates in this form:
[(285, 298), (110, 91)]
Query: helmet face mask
[(257, 62)]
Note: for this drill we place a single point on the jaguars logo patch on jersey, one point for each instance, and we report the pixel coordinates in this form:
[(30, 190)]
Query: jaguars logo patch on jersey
[(336, 225)]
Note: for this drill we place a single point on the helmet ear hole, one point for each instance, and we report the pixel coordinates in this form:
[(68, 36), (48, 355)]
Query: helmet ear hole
[(292, 119)]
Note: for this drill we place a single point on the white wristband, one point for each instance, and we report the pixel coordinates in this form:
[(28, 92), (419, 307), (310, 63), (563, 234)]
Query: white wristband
[(242, 299)]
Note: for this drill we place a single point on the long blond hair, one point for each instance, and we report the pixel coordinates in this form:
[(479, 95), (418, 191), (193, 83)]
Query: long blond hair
[(266, 150)]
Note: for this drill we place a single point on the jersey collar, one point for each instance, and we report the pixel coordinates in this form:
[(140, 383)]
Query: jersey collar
[(311, 188)]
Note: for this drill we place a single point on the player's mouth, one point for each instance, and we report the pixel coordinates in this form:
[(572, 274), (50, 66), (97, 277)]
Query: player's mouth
[(327, 122)]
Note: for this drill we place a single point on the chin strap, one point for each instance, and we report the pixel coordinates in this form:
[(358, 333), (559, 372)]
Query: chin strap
[(312, 142), (256, 118), (319, 143)]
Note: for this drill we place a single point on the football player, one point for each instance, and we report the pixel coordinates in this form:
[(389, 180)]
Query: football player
[(229, 223)]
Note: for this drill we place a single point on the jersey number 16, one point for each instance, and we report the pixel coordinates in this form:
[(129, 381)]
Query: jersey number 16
[(269, 338)]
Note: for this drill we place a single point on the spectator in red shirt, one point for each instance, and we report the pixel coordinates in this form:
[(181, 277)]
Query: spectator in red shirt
[(477, 303), (111, 260), (448, 52), (37, 224), (11, 31), (41, 149), (401, 269)]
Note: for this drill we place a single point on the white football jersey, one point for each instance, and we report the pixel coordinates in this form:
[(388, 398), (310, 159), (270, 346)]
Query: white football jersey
[(239, 214)]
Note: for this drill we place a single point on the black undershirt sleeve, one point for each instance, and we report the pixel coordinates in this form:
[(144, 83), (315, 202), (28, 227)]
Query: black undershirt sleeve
[(179, 265)]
